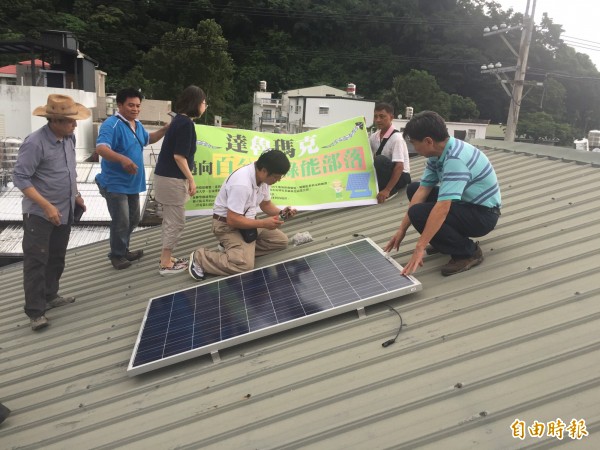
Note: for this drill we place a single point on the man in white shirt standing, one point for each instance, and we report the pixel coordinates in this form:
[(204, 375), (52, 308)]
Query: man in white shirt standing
[(390, 154), (235, 225)]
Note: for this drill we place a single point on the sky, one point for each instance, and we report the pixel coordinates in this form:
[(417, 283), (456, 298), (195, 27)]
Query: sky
[(579, 19)]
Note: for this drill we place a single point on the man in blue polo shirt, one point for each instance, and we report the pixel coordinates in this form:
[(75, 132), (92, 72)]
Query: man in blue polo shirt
[(457, 198), (121, 144)]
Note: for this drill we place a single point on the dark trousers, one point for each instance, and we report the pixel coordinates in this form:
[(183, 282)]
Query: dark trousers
[(124, 210), (464, 220), (383, 169), (44, 249)]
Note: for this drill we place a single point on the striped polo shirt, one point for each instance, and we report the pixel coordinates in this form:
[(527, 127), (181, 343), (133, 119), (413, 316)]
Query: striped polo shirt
[(464, 174)]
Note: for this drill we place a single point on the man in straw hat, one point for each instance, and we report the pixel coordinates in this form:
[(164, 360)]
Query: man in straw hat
[(45, 173)]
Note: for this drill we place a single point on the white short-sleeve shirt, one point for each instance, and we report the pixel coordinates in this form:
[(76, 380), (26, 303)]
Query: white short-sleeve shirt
[(395, 148), (240, 193)]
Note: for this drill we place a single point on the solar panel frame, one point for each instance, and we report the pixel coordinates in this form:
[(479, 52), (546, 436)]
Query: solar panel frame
[(285, 297)]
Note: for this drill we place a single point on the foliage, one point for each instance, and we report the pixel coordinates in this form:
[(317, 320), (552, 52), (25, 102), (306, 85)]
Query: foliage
[(186, 57), (421, 91), (425, 54), (462, 108), (540, 126)]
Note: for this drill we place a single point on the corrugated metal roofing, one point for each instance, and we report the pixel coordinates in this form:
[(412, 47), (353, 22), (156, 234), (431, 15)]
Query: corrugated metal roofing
[(515, 338), (11, 237), (97, 211)]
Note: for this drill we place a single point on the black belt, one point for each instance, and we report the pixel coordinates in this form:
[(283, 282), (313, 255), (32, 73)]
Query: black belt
[(220, 218), (494, 210)]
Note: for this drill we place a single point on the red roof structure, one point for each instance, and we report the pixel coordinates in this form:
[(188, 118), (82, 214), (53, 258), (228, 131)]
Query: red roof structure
[(12, 69)]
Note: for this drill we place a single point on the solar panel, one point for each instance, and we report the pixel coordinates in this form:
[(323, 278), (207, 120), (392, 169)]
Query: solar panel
[(228, 311), (358, 183)]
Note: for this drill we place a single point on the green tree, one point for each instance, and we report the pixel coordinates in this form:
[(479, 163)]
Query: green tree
[(186, 57), (462, 108), (540, 126), (419, 90)]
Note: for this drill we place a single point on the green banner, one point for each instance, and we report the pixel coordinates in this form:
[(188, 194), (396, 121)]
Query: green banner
[(331, 167)]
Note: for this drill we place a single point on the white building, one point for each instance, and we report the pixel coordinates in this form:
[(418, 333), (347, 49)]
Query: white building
[(267, 113), (464, 131), (305, 109), (18, 102)]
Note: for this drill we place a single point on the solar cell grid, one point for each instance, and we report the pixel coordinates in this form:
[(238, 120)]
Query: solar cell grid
[(227, 311)]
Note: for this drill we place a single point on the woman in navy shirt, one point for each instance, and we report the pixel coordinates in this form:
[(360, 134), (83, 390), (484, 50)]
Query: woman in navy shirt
[(173, 180)]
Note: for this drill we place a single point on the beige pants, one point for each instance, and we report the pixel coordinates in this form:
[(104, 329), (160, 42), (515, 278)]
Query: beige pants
[(239, 255), (172, 193)]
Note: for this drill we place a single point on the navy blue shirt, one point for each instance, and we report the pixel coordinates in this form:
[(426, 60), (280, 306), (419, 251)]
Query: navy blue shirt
[(180, 139)]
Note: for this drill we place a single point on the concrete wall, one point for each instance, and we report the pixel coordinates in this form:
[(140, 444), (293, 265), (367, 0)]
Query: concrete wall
[(155, 111), (472, 130), (339, 109), (18, 102)]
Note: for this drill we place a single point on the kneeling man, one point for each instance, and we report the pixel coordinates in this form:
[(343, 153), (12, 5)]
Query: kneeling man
[(457, 198)]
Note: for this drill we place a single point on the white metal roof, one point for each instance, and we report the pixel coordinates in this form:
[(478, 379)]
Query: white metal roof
[(515, 338)]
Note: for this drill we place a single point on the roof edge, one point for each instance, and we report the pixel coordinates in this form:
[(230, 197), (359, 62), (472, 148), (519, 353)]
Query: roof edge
[(563, 153)]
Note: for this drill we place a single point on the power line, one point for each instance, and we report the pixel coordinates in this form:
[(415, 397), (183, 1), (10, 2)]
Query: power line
[(579, 39)]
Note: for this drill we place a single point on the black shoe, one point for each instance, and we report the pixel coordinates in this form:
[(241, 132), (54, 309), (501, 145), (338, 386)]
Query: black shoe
[(120, 263), (4, 412), (134, 256)]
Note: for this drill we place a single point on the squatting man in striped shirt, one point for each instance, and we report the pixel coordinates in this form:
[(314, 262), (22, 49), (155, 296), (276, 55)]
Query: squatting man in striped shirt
[(457, 198)]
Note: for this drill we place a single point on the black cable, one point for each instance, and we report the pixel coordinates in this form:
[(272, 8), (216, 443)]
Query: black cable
[(391, 341)]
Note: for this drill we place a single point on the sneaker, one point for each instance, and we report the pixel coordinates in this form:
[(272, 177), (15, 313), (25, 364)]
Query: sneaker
[(463, 264), (38, 323), (220, 248), (179, 260), (195, 269), (120, 263), (174, 269), (59, 301), (431, 250), (134, 256)]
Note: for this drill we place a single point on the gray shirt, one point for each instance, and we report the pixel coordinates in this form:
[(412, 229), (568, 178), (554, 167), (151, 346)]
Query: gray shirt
[(49, 165)]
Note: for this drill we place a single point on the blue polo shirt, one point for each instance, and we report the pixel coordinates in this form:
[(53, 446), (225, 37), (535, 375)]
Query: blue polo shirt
[(119, 137), (464, 174)]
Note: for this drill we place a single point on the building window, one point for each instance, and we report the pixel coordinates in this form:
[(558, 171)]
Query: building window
[(324, 110), (266, 114), (298, 109), (471, 134)]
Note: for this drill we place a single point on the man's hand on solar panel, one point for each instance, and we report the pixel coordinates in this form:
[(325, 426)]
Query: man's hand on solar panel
[(416, 261), (394, 242)]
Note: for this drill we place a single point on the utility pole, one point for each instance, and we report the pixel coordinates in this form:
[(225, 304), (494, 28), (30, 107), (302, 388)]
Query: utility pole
[(517, 91)]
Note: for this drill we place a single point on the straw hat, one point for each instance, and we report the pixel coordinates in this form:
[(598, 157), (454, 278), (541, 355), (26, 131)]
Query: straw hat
[(62, 106)]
